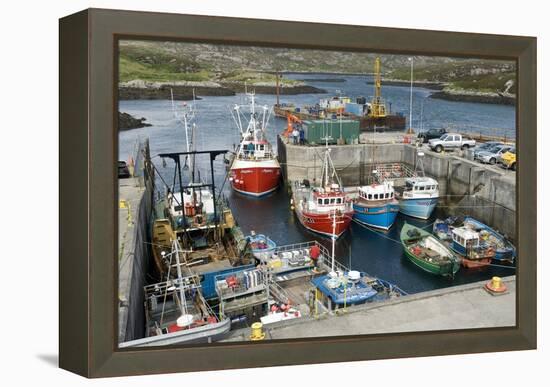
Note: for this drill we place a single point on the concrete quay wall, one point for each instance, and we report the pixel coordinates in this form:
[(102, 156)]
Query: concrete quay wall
[(484, 192)]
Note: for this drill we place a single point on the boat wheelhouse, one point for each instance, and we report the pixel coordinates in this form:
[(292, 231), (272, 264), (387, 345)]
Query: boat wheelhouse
[(197, 210), (505, 251), (419, 197), (376, 205), (466, 243), (254, 170), (324, 210)]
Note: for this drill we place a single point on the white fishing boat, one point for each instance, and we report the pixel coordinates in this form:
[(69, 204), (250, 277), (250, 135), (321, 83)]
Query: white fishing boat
[(420, 195), (176, 311)]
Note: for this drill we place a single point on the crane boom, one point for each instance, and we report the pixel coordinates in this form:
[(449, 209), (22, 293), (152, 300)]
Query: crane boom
[(378, 106)]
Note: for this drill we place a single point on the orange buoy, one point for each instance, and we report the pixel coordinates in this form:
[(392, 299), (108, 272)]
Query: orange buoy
[(495, 285)]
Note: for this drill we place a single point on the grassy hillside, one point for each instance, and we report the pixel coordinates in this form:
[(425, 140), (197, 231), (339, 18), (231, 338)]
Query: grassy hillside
[(476, 75), (171, 61)]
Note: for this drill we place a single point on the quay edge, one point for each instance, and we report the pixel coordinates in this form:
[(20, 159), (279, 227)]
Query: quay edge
[(458, 307), (487, 193)]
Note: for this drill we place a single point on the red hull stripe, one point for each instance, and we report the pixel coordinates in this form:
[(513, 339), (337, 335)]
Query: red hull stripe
[(323, 223), (255, 181)]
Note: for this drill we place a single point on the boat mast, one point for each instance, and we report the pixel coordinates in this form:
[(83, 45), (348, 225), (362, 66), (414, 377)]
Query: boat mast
[(325, 166), (192, 146), (180, 279), (333, 239), (253, 122)]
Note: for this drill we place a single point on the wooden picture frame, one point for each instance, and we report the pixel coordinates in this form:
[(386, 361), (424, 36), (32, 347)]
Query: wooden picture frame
[(88, 192)]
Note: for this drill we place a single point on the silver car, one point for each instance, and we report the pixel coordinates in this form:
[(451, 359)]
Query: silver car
[(492, 154), (485, 147)]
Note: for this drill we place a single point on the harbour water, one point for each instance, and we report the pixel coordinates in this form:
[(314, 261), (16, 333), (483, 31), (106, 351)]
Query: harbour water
[(363, 249)]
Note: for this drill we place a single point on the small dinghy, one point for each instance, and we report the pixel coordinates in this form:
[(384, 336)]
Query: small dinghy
[(261, 246), (427, 252)]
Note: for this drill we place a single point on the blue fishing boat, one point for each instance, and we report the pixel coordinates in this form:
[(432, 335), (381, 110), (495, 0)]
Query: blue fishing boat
[(353, 288), (261, 246), (419, 197), (504, 249), (376, 205)]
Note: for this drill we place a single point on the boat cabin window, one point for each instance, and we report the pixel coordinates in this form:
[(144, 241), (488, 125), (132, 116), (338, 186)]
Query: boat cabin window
[(472, 242), (375, 196), (177, 208), (391, 195), (370, 196), (326, 201), (332, 201), (421, 188), (339, 201), (320, 201)]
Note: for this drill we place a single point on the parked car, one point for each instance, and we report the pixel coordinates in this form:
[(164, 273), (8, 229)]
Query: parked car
[(123, 170), (508, 159), (429, 134), (485, 146), (491, 155), (451, 141)]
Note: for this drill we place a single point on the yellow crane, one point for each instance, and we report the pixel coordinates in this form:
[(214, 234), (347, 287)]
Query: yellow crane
[(378, 106)]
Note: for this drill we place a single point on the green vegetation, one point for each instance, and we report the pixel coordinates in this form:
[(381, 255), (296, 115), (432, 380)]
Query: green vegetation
[(254, 77), (172, 61), (130, 69), (482, 76)]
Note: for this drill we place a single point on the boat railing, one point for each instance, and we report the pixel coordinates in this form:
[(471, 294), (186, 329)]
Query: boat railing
[(245, 155), (326, 262), (190, 282), (279, 293), (302, 245)]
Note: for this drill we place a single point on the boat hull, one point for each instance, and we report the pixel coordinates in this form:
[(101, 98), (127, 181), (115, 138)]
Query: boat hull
[(503, 254), (205, 334), (430, 268), (382, 216), (447, 270), (476, 263), (255, 178), (418, 208), (323, 223)]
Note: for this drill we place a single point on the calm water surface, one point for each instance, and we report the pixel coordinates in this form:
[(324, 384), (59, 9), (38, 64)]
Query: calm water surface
[(363, 249)]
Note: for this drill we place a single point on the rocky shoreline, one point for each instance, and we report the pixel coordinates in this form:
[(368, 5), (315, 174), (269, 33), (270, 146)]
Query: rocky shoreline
[(183, 91), (127, 122), (478, 97), (442, 91), (270, 88), (399, 82)]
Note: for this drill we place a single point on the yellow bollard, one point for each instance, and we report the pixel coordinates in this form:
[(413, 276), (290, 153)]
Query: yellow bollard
[(257, 333), (496, 285)]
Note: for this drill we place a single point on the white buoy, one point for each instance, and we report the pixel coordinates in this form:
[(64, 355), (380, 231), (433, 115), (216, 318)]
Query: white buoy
[(354, 275), (184, 320)]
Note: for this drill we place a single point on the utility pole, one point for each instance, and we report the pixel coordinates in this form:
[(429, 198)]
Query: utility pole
[(411, 131)]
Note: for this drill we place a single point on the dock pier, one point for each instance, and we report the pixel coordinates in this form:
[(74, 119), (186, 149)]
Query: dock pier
[(135, 195), (458, 307), (485, 192)]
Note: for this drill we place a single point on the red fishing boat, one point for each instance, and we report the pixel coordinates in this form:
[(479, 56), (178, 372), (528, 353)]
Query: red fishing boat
[(255, 170), (325, 209)]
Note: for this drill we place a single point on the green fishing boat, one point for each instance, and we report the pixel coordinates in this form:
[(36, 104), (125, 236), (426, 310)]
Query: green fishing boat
[(427, 252)]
